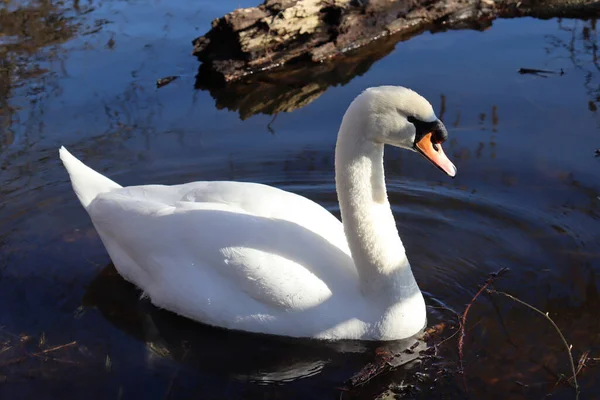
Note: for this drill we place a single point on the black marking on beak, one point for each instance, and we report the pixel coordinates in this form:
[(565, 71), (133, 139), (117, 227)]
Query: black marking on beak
[(439, 134)]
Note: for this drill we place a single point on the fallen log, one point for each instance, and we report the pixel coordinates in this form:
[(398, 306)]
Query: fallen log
[(251, 40)]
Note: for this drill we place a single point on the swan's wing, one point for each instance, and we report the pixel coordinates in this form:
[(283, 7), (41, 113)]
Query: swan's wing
[(245, 197), (222, 254)]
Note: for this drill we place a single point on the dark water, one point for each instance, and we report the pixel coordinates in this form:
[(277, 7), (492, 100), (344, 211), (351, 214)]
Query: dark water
[(83, 74)]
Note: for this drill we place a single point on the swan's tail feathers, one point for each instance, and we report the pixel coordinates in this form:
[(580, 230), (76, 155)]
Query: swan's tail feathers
[(86, 182)]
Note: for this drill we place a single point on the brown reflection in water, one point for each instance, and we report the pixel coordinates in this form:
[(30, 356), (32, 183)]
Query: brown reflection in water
[(504, 355), (483, 124), (456, 122), (581, 47), (479, 150), (442, 106), (29, 37), (32, 59), (132, 113), (482, 117)]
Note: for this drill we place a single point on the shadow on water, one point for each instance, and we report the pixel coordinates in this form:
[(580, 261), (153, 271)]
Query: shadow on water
[(249, 357), (167, 335), (83, 74)]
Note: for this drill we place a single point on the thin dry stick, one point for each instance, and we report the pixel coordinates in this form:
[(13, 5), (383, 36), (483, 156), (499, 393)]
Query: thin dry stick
[(8, 347), (512, 343), (51, 349), (39, 353), (582, 361), (545, 315), (491, 278)]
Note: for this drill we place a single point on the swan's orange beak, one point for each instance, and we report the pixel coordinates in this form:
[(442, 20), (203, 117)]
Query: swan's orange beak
[(434, 153)]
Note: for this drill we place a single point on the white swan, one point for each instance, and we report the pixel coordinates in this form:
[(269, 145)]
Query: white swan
[(251, 257)]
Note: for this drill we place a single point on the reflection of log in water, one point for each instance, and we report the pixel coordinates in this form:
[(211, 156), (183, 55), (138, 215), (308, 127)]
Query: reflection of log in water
[(292, 87), (282, 55)]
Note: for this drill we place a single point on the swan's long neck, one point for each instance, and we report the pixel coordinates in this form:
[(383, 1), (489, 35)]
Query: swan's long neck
[(368, 221)]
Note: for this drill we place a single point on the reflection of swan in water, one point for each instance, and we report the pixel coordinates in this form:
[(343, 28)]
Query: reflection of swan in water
[(252, 257), (244, 356)]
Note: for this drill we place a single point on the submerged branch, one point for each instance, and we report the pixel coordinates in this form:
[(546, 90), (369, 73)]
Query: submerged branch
[(38, 354)]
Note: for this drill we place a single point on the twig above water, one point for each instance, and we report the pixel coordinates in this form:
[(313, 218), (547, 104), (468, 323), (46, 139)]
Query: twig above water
[(547, 316), (491, 279), (581, 364)]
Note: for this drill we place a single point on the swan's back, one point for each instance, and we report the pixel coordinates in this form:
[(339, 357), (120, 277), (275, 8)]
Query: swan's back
[(229, 253), (253, 199)]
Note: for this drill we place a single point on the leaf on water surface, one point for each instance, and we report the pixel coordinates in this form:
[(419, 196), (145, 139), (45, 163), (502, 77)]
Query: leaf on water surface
[(539, 72), (165, 81)]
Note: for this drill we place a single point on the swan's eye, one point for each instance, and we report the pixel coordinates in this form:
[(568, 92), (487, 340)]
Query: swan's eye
[(435, 128)]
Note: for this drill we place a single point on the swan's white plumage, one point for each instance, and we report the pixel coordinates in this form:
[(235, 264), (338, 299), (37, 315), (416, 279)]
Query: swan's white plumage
[(87, 183), (253, 257)]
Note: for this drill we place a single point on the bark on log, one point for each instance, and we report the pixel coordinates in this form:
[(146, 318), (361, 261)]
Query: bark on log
[(250, 40)]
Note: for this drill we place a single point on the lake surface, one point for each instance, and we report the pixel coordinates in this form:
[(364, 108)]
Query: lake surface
[(526, 197)]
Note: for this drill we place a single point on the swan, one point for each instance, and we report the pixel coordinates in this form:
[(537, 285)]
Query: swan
[(251, 257)]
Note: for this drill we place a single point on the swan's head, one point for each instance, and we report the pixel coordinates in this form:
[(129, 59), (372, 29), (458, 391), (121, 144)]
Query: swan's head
[(400, 117)]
